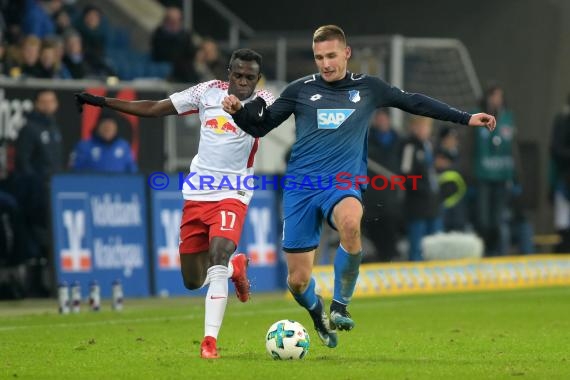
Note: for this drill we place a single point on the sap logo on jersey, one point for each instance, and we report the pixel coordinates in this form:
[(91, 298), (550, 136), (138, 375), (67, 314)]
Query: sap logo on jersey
[(332, 118)]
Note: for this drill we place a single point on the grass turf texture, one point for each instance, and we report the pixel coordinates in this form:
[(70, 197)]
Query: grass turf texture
[(498, 335)]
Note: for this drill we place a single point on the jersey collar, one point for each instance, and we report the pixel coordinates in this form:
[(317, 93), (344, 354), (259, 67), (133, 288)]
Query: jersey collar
[(337, 83)]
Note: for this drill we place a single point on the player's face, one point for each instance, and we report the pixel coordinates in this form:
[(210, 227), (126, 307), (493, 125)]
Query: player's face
[(331, 58), (243, 77)]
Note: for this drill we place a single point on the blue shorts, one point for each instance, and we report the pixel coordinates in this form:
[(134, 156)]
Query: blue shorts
[(303, 214)]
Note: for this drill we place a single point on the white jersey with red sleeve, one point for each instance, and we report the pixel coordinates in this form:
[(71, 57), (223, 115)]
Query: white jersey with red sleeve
[(225, 152)]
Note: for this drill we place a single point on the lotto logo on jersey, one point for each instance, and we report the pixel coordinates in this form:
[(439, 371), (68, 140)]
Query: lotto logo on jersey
[(332, 118), (221, 125)]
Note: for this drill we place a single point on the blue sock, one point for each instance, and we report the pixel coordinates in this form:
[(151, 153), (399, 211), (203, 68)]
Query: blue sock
[(345, 274), (307, 299)]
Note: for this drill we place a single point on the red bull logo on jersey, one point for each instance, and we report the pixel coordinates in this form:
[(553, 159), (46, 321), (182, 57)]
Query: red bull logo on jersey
[(221, 125), (332, 118)]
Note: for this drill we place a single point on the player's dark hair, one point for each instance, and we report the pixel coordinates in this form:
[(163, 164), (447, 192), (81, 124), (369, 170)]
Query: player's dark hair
[(328, 33), (247, 55)]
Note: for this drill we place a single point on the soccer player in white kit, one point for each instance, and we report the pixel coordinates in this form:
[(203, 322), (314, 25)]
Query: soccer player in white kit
[(215, 202)]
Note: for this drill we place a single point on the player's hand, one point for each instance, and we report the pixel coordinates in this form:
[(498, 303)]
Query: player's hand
[(231, 104), (483, 120), (82, 98)]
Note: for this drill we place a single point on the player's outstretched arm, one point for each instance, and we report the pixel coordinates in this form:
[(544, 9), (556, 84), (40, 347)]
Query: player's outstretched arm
[(143, 108), (483, 120), (421, 104)]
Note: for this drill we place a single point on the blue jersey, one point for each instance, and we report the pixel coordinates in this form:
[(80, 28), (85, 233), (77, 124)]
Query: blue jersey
[(97, 155), (332, 120)]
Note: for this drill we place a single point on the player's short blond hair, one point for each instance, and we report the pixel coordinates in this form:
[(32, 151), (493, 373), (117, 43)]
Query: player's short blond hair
[(329, 33)]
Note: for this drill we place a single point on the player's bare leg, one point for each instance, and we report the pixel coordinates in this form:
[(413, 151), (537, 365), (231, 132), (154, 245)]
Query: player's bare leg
[(194, 268), (302, 287), (237, 265), (347, 217)]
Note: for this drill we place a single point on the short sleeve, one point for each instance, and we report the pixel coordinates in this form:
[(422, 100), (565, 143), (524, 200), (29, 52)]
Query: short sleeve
[(267, 96), (190, 99)]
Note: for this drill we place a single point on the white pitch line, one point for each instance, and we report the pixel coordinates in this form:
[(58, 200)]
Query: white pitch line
[(140, 320)]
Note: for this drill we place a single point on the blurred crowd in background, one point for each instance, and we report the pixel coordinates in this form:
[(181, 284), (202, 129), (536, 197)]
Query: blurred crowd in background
[(57, 39)]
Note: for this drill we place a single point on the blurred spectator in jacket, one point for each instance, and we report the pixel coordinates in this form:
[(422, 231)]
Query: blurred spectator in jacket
[(560, 156), (27, 59), (209, 63), (452, 185), (38, 156), (38, 146), (58, 45), (170, 41), (422, 205), (93, 31), (383, 207), (105, 151), (73, 57), (38, 17), (494, 171), (50, 66), (12, 13), (62, 21), (79, 65)]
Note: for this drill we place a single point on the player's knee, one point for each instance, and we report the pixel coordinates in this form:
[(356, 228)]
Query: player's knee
[(349, 227), (298, 282), (221, 256), (220, 251), (192, 283)]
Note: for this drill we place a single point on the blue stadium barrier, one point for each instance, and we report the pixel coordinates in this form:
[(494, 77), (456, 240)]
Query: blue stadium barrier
[(102, 231)]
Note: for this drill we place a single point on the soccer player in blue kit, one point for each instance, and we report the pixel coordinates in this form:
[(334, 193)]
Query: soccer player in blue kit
[(332, 111)]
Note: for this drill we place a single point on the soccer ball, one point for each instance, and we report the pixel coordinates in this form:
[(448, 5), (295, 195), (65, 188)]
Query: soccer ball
[(287, 339)]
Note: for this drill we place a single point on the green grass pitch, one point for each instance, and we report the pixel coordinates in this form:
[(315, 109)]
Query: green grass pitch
[(523, 334)]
